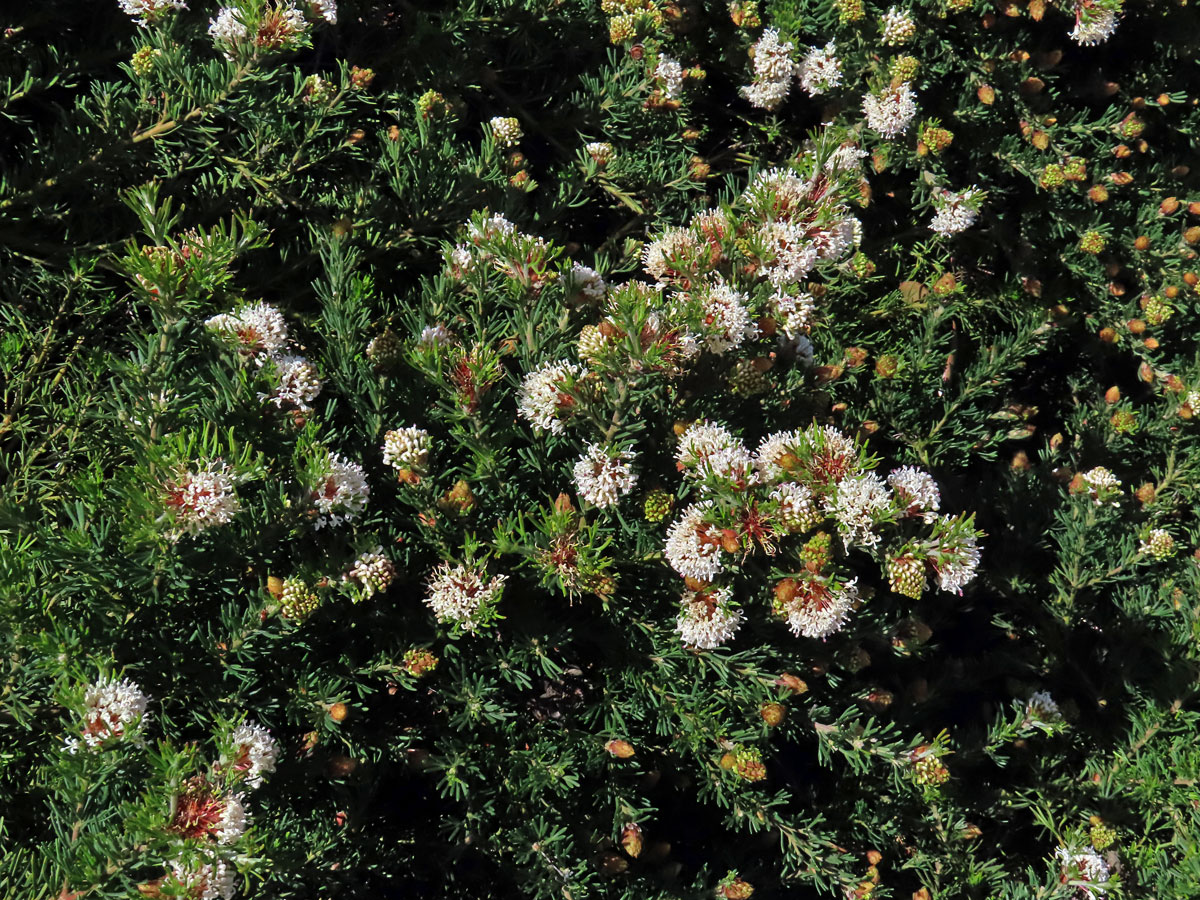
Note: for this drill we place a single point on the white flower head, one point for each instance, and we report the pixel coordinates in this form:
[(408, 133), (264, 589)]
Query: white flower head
[(897, 27), (202, 499), (146, 12), (1102, 486), (707, 619), (793, 312), (916, 491), (604, 475), (1085, 868), (773, 71), (859, 503), (1042, 708), (254, 752), (259, 329), (112, 710), (891, 110), (798, 508), (707, 451), (820, 70), (955, 212), (506, 130), (818, 608), (1094, 24), (675, 252), (692, 549), (324, 9), (341, 493), (460, 596), (727, 321), (670, 73), (373, 572), (544, 399), (407, 449), (587, 283), (298, 383), (209, 881)]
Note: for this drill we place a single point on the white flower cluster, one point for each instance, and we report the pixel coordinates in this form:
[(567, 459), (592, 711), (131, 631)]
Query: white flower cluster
[(1041, 707), (774, 70), (670, 73), (460, 596), (858, 503), (437, 335), (917, 489), (208, 881), (794, 313), (202, 499), (111, 710), (709, 452), (691, 549), (707, 619), (587, 283), (955, 212), (675, 245), (820, 70), (957, 554), (602, 152), (1102, 485), (798, 508), (342, 491), (261, 333), (260, 329), (1084, 867), (146, 12), (407, 449), (604, 475), (324, 9), (543, 400), (233, 821), (506, 130), (897, 27), (254, 753), (1094, 23), (373, 571), (821, 609), (227, 28), (726, 317), (891, 110)]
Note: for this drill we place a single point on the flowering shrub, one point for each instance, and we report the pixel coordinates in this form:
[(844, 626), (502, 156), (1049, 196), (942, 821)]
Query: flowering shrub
[(636, 448)]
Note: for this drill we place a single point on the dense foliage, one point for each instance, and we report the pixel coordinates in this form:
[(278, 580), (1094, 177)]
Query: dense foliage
[(638, 448)]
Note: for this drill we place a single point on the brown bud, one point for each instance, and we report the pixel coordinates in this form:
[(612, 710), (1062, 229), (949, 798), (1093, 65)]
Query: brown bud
[(620, 749), (1171, 292), (1112, 395), (680, 427), (785, 590), (355, 136), (1145, 373), (1136, 326), (1150, 343), (1191, 279), (1145, 494), (727, 761), (1163, 100), (562, 503), (1108, 335), (922, 894), (1174, 384), (631, 839), (394, 133), (1120, 178), (1142, 243), (1037, 9), (729, 541), (1041, 140), (772, 713), (945, 284), (338, 712), (695, 584), (1020, 461), (275, 586), (788, 461), (1194, 207), (986, 94), (792, 683), (1031, 85), (880, 700), (341, 766), (1098, 193), (874, 857), (1168, 206), (828, 373), (855, 357), (1192, 235)]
